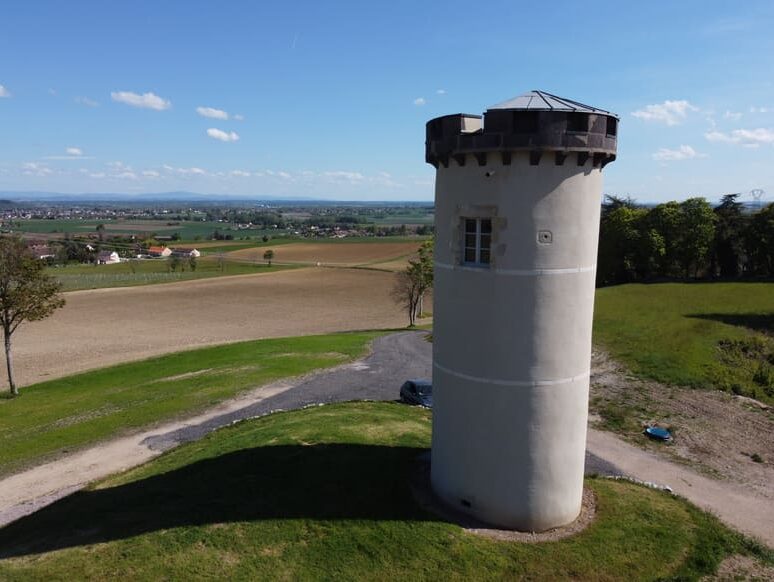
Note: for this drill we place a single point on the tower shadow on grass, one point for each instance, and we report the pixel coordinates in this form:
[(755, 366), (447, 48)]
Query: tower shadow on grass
[(763, 322), (329, 481)]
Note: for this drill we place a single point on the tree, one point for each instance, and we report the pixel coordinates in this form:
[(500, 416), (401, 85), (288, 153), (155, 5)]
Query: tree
[(759, 243), (664, 219), (727, 249), (412, 284), (27, 293), (192, 263), (697, 231), (268, 256)]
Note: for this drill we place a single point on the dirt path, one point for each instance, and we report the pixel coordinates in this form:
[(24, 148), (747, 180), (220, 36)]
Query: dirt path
[(746, 508), (102, 327)]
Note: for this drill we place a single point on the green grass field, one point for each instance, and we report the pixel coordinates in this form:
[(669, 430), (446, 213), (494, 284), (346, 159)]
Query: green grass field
[(323, 493), (699, 334), (153, 271), (78, 410), (188, 230)]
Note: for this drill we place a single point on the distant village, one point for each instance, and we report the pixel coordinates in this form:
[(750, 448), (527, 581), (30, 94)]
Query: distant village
[(109, 233)]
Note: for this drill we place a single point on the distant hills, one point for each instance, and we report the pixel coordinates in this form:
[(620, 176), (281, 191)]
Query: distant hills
[(13, 198)]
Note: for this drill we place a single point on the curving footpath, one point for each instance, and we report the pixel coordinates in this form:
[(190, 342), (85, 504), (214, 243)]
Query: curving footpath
[(395, 358)]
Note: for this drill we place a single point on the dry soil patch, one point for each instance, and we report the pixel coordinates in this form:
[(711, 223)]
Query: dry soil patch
[(337, 254), (101, 327), (714, 431)]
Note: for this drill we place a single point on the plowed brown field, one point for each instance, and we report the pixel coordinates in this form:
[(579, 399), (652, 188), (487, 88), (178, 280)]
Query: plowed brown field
[(339, 254), (107, 326)]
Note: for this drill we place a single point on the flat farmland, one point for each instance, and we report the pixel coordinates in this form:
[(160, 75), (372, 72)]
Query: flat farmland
[(106, 326), (342, 254), (52, 229)]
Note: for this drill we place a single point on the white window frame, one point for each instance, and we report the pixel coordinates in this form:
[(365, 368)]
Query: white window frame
[(478, 242)]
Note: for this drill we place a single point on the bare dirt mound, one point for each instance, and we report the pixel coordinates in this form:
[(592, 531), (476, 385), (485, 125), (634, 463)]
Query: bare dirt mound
[(338, 254), (722, 435), (106, 326)]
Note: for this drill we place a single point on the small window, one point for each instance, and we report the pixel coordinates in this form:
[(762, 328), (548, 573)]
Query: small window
[(612, 126), (477, 242), (578, 122)]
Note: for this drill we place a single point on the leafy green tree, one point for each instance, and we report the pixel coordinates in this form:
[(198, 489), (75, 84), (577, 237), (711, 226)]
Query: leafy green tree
[(192, 263), (759, 242), (268, 255), (728, 246), (697, 232), (618, 237), (665, 221), (412, 284), (27, 293)]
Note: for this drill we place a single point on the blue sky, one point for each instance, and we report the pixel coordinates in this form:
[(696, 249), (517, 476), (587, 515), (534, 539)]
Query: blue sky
[(329, 99)]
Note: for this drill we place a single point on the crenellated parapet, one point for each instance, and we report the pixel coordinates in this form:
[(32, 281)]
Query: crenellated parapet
[(538, 123)]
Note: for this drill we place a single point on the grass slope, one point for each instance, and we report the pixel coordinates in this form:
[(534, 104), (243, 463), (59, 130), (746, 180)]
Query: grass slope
[(78, 410), (700, 334), (323, 493)]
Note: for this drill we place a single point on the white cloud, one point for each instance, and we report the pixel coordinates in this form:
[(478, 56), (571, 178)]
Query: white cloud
[(759, 109), (239, 117), (97, 175), (86, 101), (341, 176), (419, 101), (684, 152), (441, 92), (193, 171), (126, 176), (212, 113), (668, 112), (71, 153), (240, 173), (36, 169), (222, 135), (745, 137), (144, 101), (735, 115), (150, 173), (4, 92)]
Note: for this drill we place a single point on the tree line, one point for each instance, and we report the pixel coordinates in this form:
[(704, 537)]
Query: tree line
[(684, 240)]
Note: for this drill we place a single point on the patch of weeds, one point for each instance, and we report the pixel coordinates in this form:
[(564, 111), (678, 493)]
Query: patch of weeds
[(756, 458), (747, 367), (618, 418)]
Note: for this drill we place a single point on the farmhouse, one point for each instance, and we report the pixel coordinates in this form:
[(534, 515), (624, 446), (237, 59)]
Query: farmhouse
[(42, 251), (161, 251), (186, 253), (108, 258)]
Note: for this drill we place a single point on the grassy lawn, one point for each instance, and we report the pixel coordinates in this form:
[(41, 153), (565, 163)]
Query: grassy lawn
[(152, 271), (700, 334), (78, 410), (323, 493)]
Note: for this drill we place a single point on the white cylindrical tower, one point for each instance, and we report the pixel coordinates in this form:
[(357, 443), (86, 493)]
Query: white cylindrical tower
[(517, 201)]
